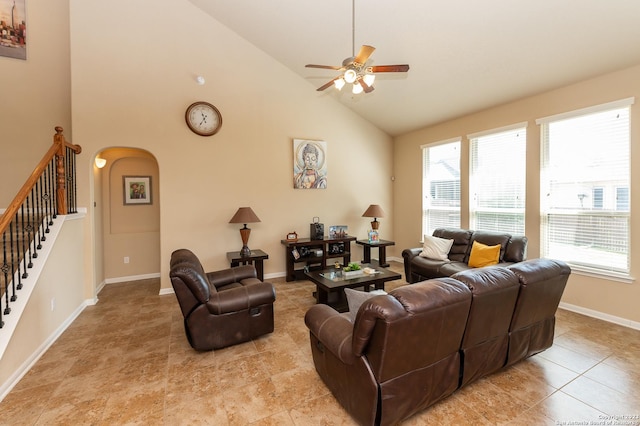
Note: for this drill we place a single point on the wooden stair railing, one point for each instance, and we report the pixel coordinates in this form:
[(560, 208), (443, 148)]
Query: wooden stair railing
[(49, 191)]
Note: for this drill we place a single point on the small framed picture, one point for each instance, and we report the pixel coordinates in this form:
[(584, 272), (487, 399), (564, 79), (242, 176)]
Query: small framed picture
[(137, 190), (337, 231), (295, 254)]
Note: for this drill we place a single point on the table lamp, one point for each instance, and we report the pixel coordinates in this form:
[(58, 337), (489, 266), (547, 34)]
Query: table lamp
[(245, 215), (374, 211)]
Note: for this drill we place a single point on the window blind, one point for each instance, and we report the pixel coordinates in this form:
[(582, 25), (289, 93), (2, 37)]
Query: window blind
[(584, 189), (498, 180), (441, 186)]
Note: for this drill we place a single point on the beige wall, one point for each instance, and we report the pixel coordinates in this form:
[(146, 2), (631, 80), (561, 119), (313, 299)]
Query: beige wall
[(35, 94), (134, 76), (609, 297), (131, 231)]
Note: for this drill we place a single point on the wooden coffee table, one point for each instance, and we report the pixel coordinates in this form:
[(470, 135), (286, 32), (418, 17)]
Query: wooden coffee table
[(330, 284)]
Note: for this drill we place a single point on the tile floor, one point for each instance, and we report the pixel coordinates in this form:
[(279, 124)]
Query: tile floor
[(126, 361)]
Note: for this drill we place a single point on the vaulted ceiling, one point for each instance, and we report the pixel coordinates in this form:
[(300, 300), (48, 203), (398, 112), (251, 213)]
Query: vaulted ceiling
[(464, 55)]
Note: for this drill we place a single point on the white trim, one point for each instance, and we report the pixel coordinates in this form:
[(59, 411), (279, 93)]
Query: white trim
[(515, 126), (588, 110), (131, 278), (164, 291), (19, 373), (444, 142), (601, 316), (601, 273)]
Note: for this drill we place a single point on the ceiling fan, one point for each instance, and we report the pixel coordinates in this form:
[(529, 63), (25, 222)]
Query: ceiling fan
[(355, 69)]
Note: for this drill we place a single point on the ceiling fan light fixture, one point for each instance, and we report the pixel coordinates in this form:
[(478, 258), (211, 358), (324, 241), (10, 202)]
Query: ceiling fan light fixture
[(339, 83), (369, 79), (357, 88), (350, 76)]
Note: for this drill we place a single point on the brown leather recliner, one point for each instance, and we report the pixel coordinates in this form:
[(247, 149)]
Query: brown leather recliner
[(486, 338), (401, 354), (220, 308), (542, 282)]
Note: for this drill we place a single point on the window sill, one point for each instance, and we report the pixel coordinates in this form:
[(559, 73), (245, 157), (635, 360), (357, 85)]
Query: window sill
[(606, 275)]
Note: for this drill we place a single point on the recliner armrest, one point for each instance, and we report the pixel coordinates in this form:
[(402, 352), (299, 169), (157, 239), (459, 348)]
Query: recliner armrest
[(333, 330), (241, 298), (231, 275)]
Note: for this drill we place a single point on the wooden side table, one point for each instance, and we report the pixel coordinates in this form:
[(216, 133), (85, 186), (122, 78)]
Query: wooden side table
[(382, 250), (256, 258)]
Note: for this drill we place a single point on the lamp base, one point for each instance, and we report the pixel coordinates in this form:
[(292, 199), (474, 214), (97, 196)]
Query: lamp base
[(375, 225), (245, 251)]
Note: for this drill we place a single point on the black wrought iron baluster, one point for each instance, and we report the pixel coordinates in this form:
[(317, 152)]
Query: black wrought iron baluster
[(5, 273), (37, 216), (15, 226), (54, 193), (47, 175), (28, 228), (14, 295), (45, 205)]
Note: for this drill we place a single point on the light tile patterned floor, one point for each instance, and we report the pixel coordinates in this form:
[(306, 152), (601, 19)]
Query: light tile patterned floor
[(126, 361)]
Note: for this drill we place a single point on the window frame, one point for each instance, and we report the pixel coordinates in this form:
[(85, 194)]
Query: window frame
[(603, 270), (426, 189)]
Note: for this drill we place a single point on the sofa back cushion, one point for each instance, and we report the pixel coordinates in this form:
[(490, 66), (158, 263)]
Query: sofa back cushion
[(489, 238), (398, 332), (516, 249), (461, 242)]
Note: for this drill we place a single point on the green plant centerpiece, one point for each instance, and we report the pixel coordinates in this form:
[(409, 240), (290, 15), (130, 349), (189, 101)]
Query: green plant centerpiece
[(352, 266)]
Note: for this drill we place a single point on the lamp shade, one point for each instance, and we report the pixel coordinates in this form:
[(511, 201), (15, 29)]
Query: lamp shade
[(374, 210), (244, 215)]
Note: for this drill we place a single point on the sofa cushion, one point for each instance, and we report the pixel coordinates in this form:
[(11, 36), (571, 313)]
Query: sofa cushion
[(436, 248), (483, 255), (356, 298)]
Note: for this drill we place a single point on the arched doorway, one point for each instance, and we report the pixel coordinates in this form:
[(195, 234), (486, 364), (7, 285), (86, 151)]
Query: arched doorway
[(127, 216)]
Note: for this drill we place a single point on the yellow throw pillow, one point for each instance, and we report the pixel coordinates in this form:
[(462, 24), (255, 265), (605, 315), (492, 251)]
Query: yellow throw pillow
[(483, 255)]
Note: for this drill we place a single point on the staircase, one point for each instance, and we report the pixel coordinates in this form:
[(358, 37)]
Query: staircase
[(50, 191)]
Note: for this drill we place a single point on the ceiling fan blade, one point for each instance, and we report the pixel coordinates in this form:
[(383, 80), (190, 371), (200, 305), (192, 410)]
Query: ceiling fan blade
[(364, 53), (329, 84), (390, 68), (326, 67), (365, 86)]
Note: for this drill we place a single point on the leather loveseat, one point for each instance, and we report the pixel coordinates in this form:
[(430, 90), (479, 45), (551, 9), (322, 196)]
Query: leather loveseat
[(410, 348), (419, 268), (220, 308)]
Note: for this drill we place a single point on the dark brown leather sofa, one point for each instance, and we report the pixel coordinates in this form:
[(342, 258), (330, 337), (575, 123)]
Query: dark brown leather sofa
[(416, 345), (417, 268), (220, 308)]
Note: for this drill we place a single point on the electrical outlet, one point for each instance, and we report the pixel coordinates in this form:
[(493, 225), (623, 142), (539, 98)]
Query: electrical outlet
[(126, 259), (53, 304)]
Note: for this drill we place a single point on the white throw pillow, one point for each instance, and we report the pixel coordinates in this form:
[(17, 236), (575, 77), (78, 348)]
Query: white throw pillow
[(436, 248), (356, 298)]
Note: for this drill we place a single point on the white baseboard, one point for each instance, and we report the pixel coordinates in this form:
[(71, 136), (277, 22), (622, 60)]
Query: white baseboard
[(601, 316), (131, 278)]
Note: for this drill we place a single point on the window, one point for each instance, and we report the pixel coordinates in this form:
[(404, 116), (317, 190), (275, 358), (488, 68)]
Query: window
[(440, 186), (598, 197), (584, 188), (497, 179)]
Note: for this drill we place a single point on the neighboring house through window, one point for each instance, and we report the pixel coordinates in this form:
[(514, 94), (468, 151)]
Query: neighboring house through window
[(498, 179), (584, 188), (440, 185)]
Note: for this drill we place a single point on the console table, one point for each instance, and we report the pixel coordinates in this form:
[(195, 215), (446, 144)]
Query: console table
[(382, 250), (256, 258), (318, 254)]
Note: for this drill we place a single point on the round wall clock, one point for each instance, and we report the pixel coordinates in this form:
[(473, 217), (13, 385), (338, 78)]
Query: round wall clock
[(203, 118)]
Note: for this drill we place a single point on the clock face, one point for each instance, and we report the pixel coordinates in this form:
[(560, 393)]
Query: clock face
[(203, 118)]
